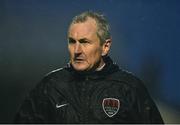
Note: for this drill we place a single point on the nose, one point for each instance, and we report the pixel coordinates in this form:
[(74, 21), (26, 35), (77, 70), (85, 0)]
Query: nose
[(77, 49)]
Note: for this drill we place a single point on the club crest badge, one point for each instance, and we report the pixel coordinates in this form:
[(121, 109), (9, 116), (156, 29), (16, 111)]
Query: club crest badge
[(111, 106)]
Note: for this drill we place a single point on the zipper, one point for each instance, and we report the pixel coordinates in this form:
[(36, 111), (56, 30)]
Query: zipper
[(85, 101)]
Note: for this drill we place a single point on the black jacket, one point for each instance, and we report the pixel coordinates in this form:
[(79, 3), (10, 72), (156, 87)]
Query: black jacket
[(107, 96)]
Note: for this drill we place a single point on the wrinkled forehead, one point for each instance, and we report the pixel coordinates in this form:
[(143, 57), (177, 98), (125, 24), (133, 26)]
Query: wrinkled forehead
[(83, 29)]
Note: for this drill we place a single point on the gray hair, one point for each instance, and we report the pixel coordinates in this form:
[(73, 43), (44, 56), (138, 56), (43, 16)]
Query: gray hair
[(103, 28)]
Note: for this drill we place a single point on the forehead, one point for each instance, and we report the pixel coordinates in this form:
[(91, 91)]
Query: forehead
[(83, 29)]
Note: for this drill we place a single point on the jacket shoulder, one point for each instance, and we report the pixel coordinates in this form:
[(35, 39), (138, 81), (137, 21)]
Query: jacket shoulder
[(56, 78), (128, 78), (58, 74)]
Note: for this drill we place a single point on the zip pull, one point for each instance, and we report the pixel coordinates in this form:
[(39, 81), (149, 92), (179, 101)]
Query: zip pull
[(87, 78)]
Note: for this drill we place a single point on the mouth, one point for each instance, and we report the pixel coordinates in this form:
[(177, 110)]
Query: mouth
[(78, 60)]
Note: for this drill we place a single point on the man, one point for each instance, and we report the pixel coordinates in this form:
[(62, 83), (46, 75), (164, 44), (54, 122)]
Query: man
[(91, 88)]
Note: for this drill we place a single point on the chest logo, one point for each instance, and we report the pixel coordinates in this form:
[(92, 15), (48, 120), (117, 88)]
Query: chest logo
[(59, 106), (111, 106)]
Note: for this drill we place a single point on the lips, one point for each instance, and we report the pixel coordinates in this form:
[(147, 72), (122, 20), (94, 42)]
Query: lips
[(78, 59)]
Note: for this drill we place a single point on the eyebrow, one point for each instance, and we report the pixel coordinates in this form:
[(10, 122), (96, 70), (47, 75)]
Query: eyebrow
[(83, 39), (70, 38)]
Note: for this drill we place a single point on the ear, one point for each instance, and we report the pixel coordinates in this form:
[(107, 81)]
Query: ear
[(106, 47)]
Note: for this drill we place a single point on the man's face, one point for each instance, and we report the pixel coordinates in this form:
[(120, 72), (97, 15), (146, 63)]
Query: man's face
[(84, 46)]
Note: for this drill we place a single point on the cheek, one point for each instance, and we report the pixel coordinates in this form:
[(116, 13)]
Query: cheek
[(70, 49), (94, 55)]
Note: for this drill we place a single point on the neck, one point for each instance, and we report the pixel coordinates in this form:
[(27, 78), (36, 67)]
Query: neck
[(101, 65)]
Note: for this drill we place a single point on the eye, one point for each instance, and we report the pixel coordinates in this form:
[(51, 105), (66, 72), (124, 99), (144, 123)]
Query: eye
[(84, 41), (71, 41)]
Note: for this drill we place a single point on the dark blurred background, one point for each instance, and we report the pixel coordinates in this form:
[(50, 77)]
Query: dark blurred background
[(145, 41)]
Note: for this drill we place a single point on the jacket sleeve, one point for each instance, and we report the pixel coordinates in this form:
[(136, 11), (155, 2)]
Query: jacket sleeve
[(146, 106), (36, 108)]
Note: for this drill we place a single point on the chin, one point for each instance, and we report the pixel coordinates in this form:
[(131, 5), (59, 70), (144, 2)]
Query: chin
[(80, 67)]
